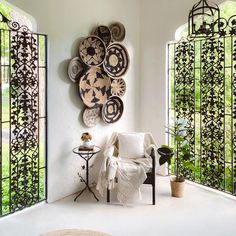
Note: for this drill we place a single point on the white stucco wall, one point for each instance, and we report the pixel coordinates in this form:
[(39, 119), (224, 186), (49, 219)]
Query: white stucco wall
[(66, 22), (159, 21)]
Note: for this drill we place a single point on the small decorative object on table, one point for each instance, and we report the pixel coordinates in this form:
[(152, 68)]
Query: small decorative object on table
[(87, 144), (181, 151)]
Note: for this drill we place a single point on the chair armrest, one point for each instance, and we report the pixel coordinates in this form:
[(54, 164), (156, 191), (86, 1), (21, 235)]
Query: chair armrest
[(108, 153), (153, 156)]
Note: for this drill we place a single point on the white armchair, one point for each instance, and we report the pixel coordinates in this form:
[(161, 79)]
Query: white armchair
[(130, 161)]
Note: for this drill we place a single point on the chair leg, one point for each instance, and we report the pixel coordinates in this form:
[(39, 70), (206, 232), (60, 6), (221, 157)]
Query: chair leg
[(153, 177), (108, 195), (154, 187), (153, 194)]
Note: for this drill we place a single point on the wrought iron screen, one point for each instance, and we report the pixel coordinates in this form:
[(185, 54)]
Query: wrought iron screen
[(202, 85), (23, 69)]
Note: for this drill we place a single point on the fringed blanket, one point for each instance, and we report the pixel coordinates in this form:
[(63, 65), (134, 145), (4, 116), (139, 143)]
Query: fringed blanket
[(130, 173)]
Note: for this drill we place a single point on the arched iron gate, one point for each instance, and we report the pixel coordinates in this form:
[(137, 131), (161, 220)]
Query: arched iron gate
[(202, 82), (23, 138)]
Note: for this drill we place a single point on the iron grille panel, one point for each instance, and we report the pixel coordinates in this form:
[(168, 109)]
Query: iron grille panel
[(213, 113), (233, 42), (204, 80), (23, 144), (184, 92), (24, 121)]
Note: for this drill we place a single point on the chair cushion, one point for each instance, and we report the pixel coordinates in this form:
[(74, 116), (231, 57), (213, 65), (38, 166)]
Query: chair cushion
[(131, 145)]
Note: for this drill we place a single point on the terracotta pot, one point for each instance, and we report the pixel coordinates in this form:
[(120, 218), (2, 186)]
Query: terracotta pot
[(177, 188)]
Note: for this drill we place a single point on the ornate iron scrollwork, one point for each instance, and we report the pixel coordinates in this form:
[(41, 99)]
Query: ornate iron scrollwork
[(213, 113), (185, 92), (24, 120), (210, 59), (234, 112), (23, 68)]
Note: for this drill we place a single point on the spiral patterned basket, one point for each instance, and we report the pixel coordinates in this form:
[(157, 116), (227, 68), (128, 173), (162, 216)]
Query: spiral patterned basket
[(117, 31)]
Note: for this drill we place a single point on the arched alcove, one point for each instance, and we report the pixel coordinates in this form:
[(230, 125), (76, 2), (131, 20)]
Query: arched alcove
[(14, 13)]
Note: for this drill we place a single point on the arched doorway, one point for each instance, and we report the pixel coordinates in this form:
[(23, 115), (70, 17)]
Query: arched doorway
[(202, 89)]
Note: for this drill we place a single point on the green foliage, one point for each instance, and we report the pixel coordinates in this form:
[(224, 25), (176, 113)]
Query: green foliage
[(182, 148), (5, 10), (181, 151)]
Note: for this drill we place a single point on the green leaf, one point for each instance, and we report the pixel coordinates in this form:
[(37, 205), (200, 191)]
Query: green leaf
[(189, 165)]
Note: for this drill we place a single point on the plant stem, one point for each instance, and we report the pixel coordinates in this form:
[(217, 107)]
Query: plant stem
[(177, 162)]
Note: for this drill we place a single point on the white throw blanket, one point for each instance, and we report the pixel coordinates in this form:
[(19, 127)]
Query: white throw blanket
[(131, 173)]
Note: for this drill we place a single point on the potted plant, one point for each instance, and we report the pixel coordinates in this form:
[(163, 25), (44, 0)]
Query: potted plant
[(181, 151)]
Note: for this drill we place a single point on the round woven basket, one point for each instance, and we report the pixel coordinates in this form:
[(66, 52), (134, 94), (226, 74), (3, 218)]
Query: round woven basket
[(112, 110), (92, 51), (104, 33), (91, 116), (117, 60), (75, 69), (117, 31), (94, 87), (118, 87), (75, 232)]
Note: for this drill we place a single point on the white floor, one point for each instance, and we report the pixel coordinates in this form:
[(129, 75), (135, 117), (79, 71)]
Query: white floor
[(199, 213)]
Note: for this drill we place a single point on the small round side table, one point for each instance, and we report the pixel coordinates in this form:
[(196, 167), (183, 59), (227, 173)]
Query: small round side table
[(86, 155)]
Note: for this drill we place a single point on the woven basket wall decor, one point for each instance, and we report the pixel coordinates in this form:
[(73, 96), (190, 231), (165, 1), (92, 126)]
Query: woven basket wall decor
[(91, 116), (116, 61), (94, 87), (75, 69), (117, 31), (98, 70), (104, 33), (92, 51), (112, 110), (118, 87)]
